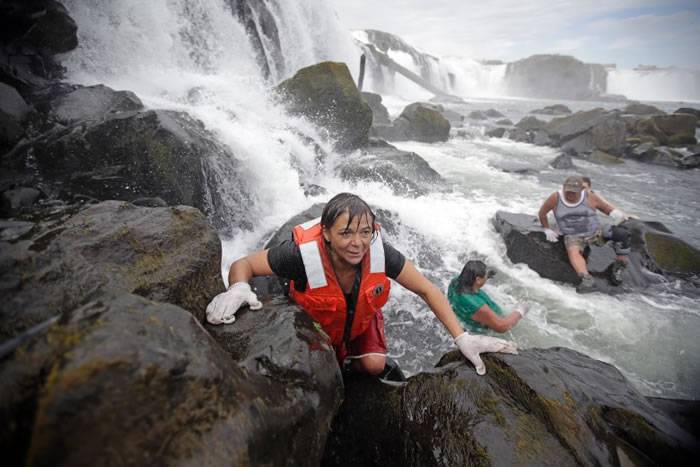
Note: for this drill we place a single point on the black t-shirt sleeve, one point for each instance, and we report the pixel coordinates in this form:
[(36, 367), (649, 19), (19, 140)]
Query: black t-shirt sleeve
[(394, 260), (285, 261)]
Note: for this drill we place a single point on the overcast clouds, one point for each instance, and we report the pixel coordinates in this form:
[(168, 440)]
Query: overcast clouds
[(626, 32)]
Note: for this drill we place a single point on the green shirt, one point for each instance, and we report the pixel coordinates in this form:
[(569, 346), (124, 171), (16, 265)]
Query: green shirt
[(466, 304)]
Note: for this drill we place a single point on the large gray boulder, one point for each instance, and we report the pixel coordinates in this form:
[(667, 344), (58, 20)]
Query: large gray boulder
[(326, 94), (674, 129), (85, 103), (405, 172), (165, 254), (13, 112), (380, 115), (150, 153), (542, 407), (143, 383), (662, 155), (421, 122)]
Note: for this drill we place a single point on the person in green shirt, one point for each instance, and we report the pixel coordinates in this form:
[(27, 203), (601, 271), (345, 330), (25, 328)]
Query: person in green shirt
[(474, 307)]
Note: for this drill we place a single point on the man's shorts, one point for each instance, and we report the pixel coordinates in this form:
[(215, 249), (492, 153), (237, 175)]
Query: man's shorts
[(370, 342), (582, 241), (619, 236)]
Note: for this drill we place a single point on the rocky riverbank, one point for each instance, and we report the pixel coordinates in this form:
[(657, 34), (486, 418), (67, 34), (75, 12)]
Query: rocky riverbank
[(109, 254)]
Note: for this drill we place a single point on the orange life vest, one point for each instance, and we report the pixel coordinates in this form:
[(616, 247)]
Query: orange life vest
[(323, 297)]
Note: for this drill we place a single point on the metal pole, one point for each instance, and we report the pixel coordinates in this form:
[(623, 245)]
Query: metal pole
[(362, 72)]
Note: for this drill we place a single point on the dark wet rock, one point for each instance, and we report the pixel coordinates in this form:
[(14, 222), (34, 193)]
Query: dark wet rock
[(541, 138), (554, 77), (165, 254), (661, 155), (496, 132), (680, 128), (281, 342), (380, 115), (519, 135), (326, 94), (689, 111), (504, 121), (50, 27), (145, 154), (92, 103), (531, 123), (261, 27), (421, 122), (584, 132), (477, 115), (563, 129), (14, 200), (405, 172), (145, 383), (665, 253), (654, 251), (11, 230), (562, 162), (602, 157), (493, 113), (150, 202), (542, 407), (13, 112), (556, 109), (636, 108), (32, 33)]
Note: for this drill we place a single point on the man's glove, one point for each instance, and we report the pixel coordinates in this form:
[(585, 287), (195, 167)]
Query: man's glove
[(522, 308), (551, 235), (471, 346), (223, 308), (618, 216)]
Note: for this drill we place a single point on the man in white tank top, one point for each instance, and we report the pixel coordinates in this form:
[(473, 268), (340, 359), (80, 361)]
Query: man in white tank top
[(575, 210)]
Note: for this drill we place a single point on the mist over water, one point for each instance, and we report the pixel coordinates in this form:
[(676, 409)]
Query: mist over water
[(194, 56)]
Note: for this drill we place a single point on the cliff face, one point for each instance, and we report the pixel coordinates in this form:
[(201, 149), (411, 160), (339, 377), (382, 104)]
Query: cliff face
[(555, 77)]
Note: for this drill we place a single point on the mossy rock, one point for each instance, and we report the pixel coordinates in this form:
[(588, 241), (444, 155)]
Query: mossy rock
[(425, 123), (326, 94), (672, 254)]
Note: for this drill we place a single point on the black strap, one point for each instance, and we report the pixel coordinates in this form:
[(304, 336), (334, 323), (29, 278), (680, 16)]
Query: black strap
[(351, 305)]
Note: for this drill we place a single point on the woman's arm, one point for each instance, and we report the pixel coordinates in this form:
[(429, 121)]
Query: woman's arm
[(489, 318), (416, 282), (255, 264)]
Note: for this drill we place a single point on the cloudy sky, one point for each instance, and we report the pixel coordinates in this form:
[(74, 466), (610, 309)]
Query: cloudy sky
[(625, 32)]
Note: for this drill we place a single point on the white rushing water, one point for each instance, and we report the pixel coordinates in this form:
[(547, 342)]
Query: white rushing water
[(192, 55)]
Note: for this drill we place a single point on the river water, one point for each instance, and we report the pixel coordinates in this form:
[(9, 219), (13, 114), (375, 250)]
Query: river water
[(193, 56)]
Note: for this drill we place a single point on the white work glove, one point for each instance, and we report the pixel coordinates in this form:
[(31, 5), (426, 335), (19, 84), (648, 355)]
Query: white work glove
[(551, 235), (472, 345), (223, 308), (618, 216), (522, 308)]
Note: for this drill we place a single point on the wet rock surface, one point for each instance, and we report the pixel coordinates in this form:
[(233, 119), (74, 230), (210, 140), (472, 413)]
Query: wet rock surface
[(542, 407)]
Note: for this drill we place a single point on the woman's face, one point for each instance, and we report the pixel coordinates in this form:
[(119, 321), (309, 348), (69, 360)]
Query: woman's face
[(349, 243)]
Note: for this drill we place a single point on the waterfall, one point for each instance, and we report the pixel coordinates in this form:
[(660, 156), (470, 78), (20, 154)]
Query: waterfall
[(656, 84)]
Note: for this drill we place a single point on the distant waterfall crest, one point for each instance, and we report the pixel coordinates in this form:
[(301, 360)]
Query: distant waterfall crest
[(670, 84)]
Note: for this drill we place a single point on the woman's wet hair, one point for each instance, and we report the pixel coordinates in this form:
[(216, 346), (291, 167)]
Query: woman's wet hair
[(470, 271), (350, 203)]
